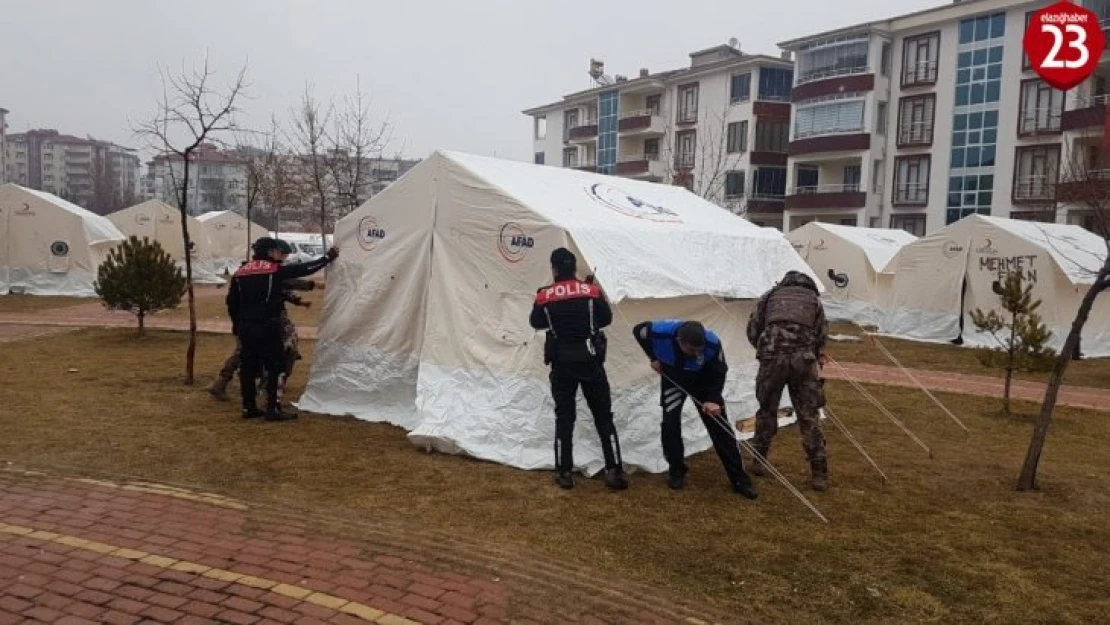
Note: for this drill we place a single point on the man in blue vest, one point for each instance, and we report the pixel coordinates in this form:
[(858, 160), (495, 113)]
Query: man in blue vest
[(691, 360)]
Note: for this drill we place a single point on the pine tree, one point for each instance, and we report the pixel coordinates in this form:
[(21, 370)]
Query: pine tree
[(1021, 336), (141, 278)]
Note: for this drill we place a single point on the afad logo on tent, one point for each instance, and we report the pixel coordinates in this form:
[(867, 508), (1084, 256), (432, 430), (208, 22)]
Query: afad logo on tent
[(513, 243), (142, 219), (625, 204), (952, 249), (369, 233)]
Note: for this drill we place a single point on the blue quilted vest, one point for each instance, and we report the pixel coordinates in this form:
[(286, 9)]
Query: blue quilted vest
[(663, 344)]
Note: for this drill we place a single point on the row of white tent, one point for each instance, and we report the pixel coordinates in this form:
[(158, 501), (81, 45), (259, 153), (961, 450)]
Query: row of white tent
[(49, 246), (925, 289)]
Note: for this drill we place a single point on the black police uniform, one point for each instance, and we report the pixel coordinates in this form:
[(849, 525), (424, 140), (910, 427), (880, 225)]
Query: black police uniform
[(255, 299), (573, 312)]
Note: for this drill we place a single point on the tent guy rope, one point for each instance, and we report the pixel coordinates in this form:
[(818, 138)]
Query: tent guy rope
[(886, 352)]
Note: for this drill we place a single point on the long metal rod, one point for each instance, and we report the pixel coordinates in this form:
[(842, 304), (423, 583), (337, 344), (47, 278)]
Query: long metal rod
[(879, 405), (921, 386), (852, 439)]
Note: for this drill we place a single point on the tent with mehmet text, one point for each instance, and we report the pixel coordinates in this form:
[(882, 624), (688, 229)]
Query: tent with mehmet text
[(849, 260), (426, 315), (931, 285)]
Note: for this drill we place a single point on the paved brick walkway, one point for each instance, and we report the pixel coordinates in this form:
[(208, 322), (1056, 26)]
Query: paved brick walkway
[(1076, 396), (84, 551)]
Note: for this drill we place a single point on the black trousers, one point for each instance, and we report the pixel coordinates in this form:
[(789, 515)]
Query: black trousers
[(565, 380), (720, 431), (263, 351)]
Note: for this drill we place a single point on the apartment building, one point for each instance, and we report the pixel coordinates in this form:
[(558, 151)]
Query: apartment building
[(3, 145), (719, 127), (87, 172), (217, 180), (919, 120)]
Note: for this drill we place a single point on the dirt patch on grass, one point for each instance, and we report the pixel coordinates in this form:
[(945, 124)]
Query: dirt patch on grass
[(939, 357), (947, 540), (36, 303)]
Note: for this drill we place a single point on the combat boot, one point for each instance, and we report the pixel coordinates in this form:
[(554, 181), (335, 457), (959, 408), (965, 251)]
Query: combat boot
[(820, 470), (218, 388), (676, 479), (758, 467), (614, 479), (277, 414), (745, 488), (565, 479)]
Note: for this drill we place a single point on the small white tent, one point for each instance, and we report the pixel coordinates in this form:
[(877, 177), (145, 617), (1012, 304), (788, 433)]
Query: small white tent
[(924, 290), (848, 261), (426, 313), (49, 246), (158, 221), (230, 236)]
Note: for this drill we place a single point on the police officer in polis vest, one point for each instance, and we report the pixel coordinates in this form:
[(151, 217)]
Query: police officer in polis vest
[(255, 301), (691, 359), (789, 331), (573, 312)]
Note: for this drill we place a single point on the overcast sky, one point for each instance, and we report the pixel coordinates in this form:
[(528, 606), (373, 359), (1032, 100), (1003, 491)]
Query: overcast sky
[(450, 74)]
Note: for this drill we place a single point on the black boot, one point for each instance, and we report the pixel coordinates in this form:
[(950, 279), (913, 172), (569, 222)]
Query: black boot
[(251, 413), (614, 478), (744, 487), (275, 413), (820, 471), (757, 466), (565, 479), (676, 478)]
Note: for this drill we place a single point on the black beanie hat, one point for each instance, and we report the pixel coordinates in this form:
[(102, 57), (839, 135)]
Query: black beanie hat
[(564, 261)]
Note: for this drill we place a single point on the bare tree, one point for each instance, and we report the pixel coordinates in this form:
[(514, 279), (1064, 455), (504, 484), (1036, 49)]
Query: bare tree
[(190, 112), (1086, 185), (355, 140), (309, 136), (107, 196), (704, 169)]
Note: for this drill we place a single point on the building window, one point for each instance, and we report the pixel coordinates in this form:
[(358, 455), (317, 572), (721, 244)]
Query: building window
[(1035, 173), (919, 59), (539, 158), (913, 224), (834, 117), (652, 103), (769, 183), (540, 127), (740, 89), (849, 221), (1042, 108), (1026, 64), (979, 76), (688, 103), (570, 157), (983, 28), (807, 181), (570, 120), (877, 176), (687, 141), (737, 137), (880, 118), (830, 58), (734, 184), (851, 179), (772, 136), (884, 59), (911, 180), (775, 84), (609, 108), (916, 115)]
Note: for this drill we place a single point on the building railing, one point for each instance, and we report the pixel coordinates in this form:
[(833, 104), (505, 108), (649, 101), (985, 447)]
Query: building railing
[(911, 193), (639, 113), (834, 130), (768, 97), (1040, 120), (1035, 187), (811, 189), (767, 196), (919, 73), (915, 133), (685, 160), (831, 73), (583, 124)]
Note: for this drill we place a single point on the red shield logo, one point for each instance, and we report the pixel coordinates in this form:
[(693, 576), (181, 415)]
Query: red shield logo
[(1064, 43)]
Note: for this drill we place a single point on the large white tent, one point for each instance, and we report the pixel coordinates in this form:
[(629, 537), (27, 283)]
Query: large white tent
[(848, 261), (49, 246), (426, 314), (158, 221), (230, 236), (931, 285)]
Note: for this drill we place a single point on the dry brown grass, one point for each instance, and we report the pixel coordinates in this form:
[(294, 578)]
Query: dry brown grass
[(940, 357), (948, 540), (210, 305), (37, 303)]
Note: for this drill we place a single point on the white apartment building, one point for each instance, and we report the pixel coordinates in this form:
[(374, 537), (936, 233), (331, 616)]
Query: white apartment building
[(919, 120), (3, 145), (72, 168), (217, 180), (718, 127)]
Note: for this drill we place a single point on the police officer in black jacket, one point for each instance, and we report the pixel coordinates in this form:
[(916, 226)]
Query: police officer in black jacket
[(255, 299), (573, 312)]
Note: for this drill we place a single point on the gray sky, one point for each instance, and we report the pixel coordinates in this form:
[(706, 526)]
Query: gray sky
[(451, 74)]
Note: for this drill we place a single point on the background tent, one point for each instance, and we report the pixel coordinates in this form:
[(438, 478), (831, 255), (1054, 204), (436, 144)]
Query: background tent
[(924, 291), (228, 235), (426, 312), (49, 246), (848, 261), (158, 221)]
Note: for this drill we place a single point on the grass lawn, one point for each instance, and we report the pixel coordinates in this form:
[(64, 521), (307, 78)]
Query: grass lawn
[(948, 540), (210, 305), (36, 303), (917, 355)]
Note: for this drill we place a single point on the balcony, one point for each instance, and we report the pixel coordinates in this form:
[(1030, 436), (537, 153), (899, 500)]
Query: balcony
[(830, 143), (584, 166), (921, 74), (772, 109), (642, 122), (1092, 115), (911, 194), (1034, 189), (915, 134), (646, 167), (585, 132), (764, 202), (833, 85), (1085, 187), (827, 196), (1039, 121)]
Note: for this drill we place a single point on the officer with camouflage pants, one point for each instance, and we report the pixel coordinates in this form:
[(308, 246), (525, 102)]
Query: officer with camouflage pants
[(789, 331)]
